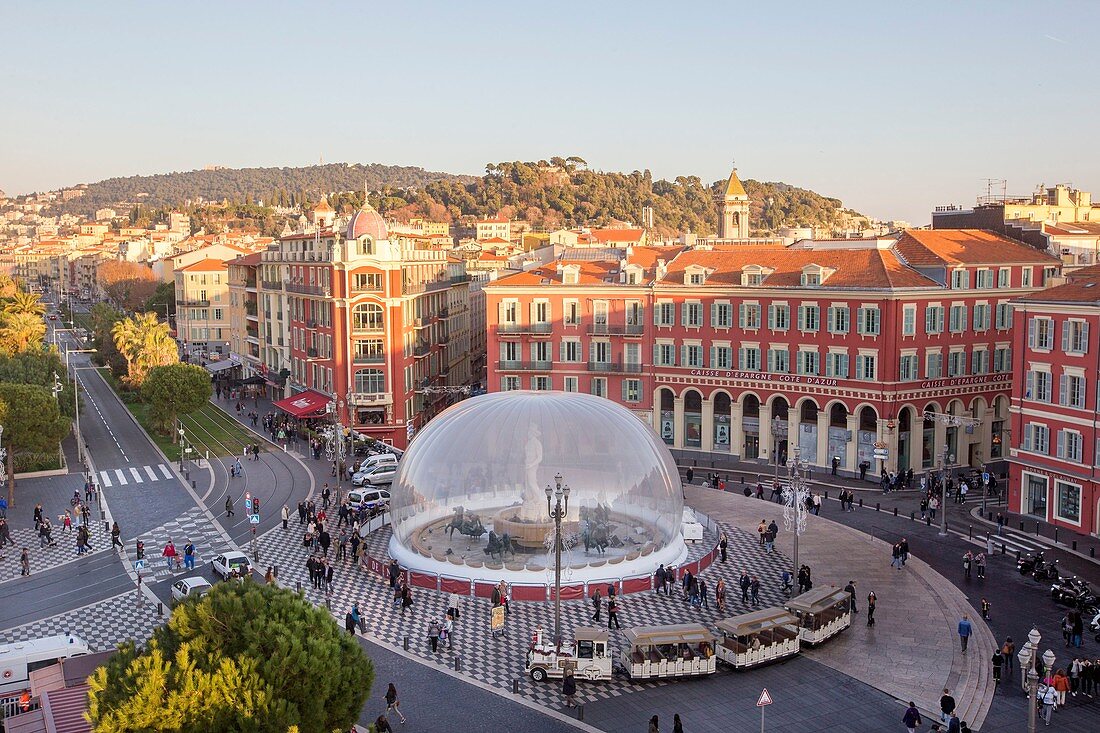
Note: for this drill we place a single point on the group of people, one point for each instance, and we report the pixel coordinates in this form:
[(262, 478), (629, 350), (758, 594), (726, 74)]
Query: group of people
[(174, 559), (972, 561), (767, 533)]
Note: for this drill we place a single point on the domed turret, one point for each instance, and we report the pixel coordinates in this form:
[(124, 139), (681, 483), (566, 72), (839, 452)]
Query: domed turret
[(367, 221)]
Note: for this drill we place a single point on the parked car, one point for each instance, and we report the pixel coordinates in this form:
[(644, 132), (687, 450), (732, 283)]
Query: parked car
[(186, 587), (368, 498), (383, 473), (229, 563), (378, 459)]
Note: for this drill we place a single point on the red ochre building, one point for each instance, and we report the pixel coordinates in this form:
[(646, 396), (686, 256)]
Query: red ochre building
[(1055, 405), (844, 344)]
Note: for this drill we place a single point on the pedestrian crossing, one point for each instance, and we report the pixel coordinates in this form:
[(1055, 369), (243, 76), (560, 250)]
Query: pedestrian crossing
[(134, 475)]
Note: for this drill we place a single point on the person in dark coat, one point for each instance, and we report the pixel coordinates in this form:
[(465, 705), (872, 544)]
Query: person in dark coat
[(349, 623), (596, 604), (569, 687)]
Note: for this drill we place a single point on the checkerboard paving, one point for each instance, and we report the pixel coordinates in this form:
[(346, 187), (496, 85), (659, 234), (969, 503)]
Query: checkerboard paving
[(191, 525), (497, 660), (44, 558), (103, 625)]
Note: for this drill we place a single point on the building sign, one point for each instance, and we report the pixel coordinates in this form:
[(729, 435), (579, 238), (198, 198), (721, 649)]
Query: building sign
[(721, 431), (966, 381), (668, 429), (766, 377)]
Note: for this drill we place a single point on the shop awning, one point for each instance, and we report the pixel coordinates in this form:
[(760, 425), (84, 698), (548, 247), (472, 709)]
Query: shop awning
[(216, 366), (306, 404), (257, 379)]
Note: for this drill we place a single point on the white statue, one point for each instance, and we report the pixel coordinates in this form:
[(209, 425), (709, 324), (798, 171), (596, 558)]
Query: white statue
[(534, 496)]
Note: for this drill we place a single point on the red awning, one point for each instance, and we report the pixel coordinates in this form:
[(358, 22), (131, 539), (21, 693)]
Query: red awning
[(306, 404)]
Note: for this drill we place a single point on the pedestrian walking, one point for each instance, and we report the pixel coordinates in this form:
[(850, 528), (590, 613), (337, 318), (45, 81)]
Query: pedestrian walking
[(189, 555), (965, 630), (968, 560), (1049, 700), (947, 705), (677, 726), (998, 662), (25, 562), (382, 725), (985, 609), (872, 601), (116, 536), (596, 604), (745, 582), (690, 474), (720, 595), (393, 704), (284, 514), (980, 562), (569, 686), (434, 631), (1008, 650), (754, 590), (851, 590), (896, 555), (349, 623), (406, 598), (722, 544), (653, 725), (169, 555), (228, 507), (703, 593), (613, 612), (912, 718)]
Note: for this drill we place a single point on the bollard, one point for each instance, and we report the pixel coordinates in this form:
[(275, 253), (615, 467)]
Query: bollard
[(1056, 535), (970, 531), (861, 502), (1036, 529), (298, 586), (928, 520), (912, 516), (515, 687), (275, 570), (193, 484), (1021, 525), (160, 609), (1092, 552), (1017, 556), (876, 506), (406, 643), (1075, 545), (895, 511), (106, 527), (1002, 548), (580, 712), (458, 663), (826, 496)]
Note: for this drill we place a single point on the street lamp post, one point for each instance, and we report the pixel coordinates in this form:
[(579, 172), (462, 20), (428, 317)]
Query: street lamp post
[(775, 448), (182, 435), (557, 512), (76, 393), (4, 467), (1028, 657), (794, 500), (944, 456)]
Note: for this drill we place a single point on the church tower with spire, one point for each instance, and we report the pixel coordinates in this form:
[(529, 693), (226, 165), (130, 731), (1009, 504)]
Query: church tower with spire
[(733, 212)]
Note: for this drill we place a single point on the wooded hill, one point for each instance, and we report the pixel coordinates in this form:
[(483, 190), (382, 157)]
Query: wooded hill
[(547, 194)]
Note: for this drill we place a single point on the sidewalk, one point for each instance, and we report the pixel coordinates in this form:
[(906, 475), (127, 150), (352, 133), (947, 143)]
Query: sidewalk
[(1086, 547)]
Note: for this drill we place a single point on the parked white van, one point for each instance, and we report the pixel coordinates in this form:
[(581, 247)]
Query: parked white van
[(378, 459), (20, 658)]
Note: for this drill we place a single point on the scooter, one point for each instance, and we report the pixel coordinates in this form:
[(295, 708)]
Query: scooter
[(1028, 562), (1046, 571)]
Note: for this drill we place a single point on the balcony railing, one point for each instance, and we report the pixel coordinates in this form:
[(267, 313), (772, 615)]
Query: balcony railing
[(304, 289), (603, 329), (365, 326), (194, 303), (271, 284), (517, 328), (425, 287), (525, 366), (422, 349), (443, 313), (311, 353), (614, 367), (371, 398)]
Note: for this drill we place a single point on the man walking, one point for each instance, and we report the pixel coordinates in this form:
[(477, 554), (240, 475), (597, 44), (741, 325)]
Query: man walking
[(189, 555), (744, 581), (228, 507), (851, 590), (912, 717), (965, 630), (25, 562)]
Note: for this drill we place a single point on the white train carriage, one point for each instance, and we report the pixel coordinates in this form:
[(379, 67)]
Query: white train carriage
[(822, 613), (681, 650), (757, 638), (589, 655)]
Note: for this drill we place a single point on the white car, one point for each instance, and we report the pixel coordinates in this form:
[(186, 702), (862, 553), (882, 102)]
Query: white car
[(369, 498), (186, 587), (227, 562), (383, 473)]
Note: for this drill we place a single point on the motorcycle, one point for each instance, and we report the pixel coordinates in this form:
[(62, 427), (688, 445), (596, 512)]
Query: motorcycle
[(1046, 571), (1094, 625), (1072, 591), (1028, 562)]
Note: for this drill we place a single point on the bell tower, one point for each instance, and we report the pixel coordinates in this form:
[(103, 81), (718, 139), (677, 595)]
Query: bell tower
[(733, 211)]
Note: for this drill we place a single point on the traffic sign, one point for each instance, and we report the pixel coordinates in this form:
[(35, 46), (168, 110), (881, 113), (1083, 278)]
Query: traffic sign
[(879, 444), (882, 453), (765, 699), (253, 518), (139, 564)]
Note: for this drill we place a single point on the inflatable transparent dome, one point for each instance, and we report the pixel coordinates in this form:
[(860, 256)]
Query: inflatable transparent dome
[(470, 492)]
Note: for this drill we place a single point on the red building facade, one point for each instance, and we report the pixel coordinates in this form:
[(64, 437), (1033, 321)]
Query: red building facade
[(1055, 405), (749, 351)]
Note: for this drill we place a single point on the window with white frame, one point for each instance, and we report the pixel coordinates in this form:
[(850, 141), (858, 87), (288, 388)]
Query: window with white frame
[(779, 317), (779, 361), (869, 321), (541, 352), (692, 314), (1004, 316), (808, 362), (721, 315), (1002, 359), (1040, 333), (634, 313), (933, 365), (749, 315), (509, 351), (836, 364), (664, 314), (509, 383), (1025, 277), (867, 367), (979, 361), (664, 354), (1070, 445), (909, 320), (956, 364), (1038, 385), (632, 354), (571, 384), (907, 368), (958, 318), (570, 350), (1004, 277), (571, 316), (599, 352), (960, 279), (721, 357), (933, 319), (984, 278), (1075, 337), (599, 313), (981, 317), (1036, 438), (809, 318), (1071, 390), (599, 386), (542, 384), (1067, 501), (838, 319), (540, 311), (749, 358), (632, 390), (692, 355)]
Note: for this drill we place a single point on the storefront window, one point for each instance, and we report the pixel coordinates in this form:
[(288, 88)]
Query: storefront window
[(1035, 495), (1069, 501)]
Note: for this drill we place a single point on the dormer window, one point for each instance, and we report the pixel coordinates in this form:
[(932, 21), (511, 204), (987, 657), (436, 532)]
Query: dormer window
[(696, 275), (811, 278), (754, 274), (814, 275), (570, 275), (632, 275)]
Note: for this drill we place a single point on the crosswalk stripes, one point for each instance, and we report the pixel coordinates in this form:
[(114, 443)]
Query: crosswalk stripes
[(119, 477)]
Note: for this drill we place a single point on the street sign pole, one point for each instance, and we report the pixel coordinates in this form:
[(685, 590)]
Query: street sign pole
[(762, 702)]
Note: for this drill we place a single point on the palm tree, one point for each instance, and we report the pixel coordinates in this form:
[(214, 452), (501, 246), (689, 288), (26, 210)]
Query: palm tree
[(21, 331), (145, 343), (21, 302)]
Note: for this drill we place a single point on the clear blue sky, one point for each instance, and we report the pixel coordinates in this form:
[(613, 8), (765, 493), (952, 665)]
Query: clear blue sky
[(893, 108)]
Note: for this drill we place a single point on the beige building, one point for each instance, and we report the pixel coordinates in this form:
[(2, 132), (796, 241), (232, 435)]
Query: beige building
[(495, 228), (202, 307)]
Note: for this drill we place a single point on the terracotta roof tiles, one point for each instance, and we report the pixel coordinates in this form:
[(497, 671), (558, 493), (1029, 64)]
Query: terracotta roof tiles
[(949, 247)]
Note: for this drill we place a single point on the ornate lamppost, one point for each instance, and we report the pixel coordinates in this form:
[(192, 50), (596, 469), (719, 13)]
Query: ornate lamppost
[(1027, 656), (559, 493), (794, 500)]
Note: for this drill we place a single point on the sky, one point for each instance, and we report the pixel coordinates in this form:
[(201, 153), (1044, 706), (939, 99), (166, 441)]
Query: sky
[(892, 107)]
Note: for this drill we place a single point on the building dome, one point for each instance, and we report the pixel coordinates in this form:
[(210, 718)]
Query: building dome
[(367, 221), (479, 471)]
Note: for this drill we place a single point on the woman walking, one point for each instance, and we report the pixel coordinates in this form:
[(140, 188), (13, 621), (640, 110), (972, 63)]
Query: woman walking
[(569, 687), (872, 599), (393, 705)]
